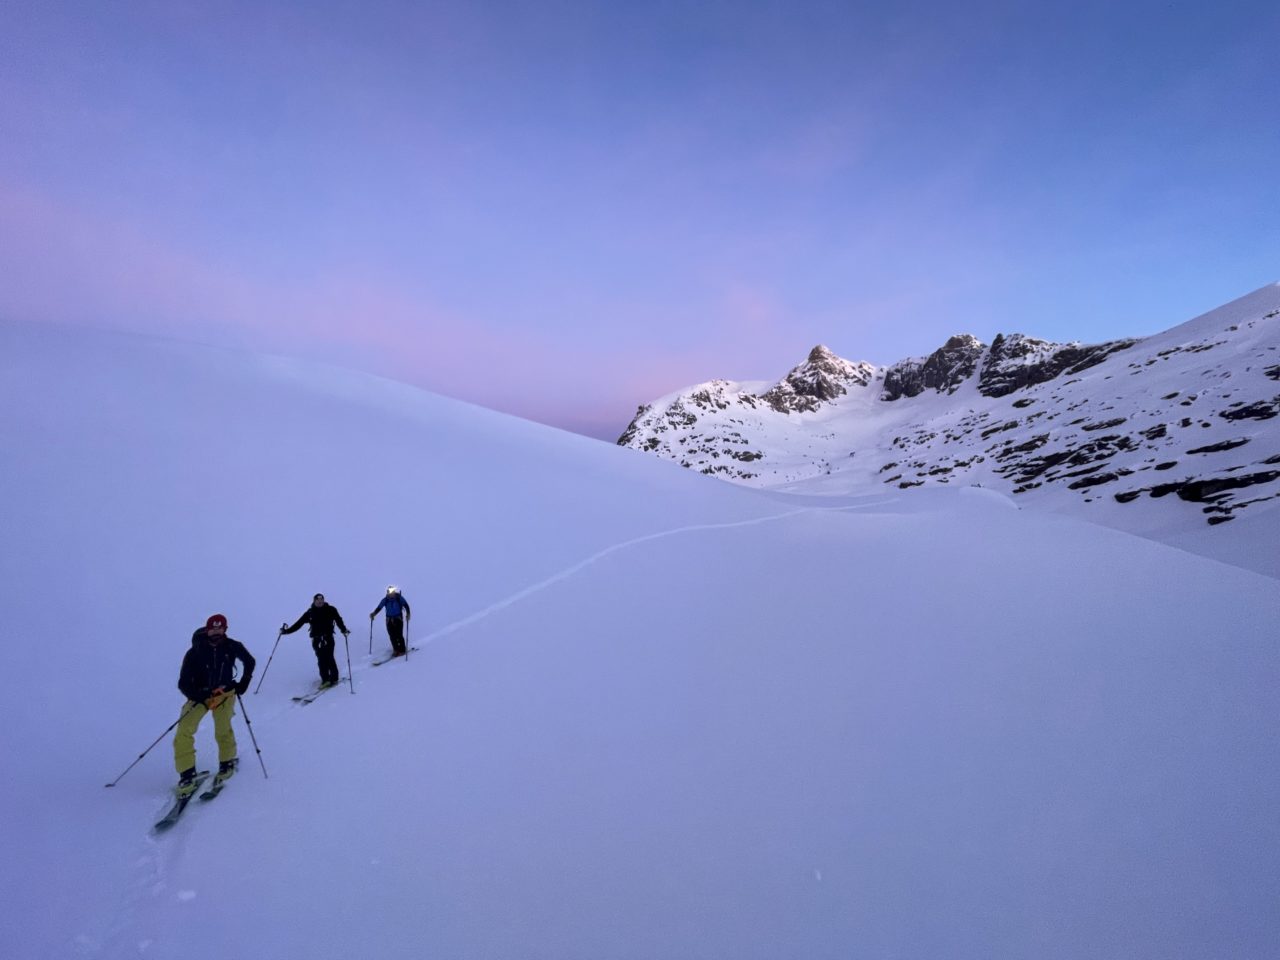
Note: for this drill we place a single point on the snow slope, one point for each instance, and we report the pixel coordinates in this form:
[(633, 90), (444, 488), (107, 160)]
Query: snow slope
[(651, 715), (1162, 436)]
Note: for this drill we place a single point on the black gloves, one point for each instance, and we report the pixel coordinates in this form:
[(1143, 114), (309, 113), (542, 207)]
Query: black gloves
[(242, 687)]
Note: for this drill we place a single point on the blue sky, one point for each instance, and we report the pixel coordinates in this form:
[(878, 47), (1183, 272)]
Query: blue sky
[(563, 210)]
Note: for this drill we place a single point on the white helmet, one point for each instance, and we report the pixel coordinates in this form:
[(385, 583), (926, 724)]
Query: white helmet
[(392, 589)]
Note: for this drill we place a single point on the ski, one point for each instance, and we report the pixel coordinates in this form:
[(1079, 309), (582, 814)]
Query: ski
[(308, 697), (378, 663), (215, 788), (180, 804)]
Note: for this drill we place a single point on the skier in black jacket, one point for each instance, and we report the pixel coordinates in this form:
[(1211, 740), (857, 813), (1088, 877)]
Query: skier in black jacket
[(322, 617), (209, 683)]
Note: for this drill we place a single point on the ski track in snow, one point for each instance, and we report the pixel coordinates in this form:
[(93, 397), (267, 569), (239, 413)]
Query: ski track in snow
[(624, 545), (124, 938)]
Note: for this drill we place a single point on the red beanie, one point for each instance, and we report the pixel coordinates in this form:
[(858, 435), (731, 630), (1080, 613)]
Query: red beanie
[(217, 620)]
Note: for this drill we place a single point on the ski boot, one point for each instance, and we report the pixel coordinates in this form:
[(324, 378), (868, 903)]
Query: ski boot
[(186, 784), (226, 770)]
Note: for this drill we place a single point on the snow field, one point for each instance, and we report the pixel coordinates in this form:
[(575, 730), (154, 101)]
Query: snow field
[(652, 715)]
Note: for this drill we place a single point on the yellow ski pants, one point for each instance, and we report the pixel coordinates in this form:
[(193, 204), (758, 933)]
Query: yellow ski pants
[(184, 741)]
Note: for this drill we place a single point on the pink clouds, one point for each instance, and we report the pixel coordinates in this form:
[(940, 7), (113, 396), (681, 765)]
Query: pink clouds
[(75, 264)]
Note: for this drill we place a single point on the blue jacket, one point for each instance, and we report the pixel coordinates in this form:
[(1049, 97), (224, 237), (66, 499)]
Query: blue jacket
[(395, 604)]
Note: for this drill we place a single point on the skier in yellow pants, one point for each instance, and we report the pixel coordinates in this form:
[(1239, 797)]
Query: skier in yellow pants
[(209, 683)]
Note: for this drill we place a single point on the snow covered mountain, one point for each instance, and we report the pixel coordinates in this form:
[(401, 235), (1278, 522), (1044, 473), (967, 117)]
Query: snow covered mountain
[(650, 715), (1182, 428)]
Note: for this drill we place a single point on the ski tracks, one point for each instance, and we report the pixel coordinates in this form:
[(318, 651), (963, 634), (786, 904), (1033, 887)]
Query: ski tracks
[(581, 565), (142, 895)]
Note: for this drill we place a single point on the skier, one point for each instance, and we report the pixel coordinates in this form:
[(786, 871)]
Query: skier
[(397, 608), (321, 616), (209, 684)]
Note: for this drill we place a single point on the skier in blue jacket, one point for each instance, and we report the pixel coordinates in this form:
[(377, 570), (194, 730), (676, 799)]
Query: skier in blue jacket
[(397, 608)]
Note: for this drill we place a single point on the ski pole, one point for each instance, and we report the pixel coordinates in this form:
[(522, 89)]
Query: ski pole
[(371, 636), (279, 634), (350, 679), (244, 713), (185, 710), (406, 638)]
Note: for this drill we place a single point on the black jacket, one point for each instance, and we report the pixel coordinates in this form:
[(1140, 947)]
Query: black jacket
[(322, 619), (207, 667)]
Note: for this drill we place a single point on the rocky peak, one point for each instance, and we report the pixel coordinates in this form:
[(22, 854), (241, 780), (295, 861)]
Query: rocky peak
[(943, 370), (822, 356), (1019, 361), (1016, 345), (821, 378)]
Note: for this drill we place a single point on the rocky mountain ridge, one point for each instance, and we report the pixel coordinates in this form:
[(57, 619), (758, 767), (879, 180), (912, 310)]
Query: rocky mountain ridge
[(1193, 411)]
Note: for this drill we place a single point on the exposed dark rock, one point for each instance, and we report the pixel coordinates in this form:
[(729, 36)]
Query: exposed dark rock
[(1273, 372), (1205, 491), (1253, 411), (1169, 465), (1215, 492), (1105, 424), (1093, 468), (678, 416), (1219, 447), (1039, 440), (634, 427), (1103, 448), (1019, 361), (821, 378), (708, 401), (1210, 490), (944, 369), (1010, 425), (1098, 479), (1156, 432)]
